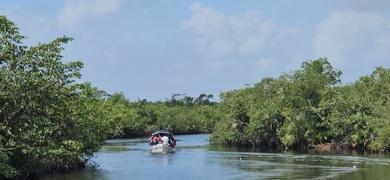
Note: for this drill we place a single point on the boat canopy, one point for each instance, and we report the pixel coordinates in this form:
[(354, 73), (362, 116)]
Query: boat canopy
[(162, 132)]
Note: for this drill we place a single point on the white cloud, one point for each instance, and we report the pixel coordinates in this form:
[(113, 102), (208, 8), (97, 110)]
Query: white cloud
[(77, 11), (218, 35), (348, 35)]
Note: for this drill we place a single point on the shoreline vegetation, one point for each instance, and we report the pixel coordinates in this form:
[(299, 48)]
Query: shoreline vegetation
[(51, 124)]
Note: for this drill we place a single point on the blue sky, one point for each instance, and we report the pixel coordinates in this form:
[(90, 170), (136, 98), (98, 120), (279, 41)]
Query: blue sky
[(151, 49)]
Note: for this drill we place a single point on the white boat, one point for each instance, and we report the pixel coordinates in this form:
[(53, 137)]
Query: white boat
[(161, 148), (162, 141)]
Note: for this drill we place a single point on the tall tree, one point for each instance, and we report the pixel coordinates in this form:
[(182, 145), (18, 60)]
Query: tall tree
[(302, 96), (42, 125)]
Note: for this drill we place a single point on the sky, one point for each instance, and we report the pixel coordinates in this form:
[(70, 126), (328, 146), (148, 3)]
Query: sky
[(152, 49)]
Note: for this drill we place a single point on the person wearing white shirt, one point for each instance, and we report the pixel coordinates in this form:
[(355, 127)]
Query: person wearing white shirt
[(165, 139)]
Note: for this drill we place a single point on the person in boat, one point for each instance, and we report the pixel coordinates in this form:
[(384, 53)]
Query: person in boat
[(165, 139), (159, 139), (172, 140), (153, 140)]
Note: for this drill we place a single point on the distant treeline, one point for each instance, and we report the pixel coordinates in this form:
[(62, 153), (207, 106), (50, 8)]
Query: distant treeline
[(181, 115), (49, 123)]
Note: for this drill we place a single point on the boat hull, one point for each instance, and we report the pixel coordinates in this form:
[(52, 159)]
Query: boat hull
[(161, 148)]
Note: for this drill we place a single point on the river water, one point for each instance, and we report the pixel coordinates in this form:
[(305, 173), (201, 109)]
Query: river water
[(194, 158)]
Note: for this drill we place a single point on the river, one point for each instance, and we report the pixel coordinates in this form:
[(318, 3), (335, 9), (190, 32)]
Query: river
[(194, 158)]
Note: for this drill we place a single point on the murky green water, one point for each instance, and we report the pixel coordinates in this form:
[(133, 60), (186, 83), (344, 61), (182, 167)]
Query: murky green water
[(194, 158)]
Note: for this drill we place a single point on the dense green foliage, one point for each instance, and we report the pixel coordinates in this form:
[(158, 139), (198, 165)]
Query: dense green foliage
[(181, 114), (308, 106), (44, 125)]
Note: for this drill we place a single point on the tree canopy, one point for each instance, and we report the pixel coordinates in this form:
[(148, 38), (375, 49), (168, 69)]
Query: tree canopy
[(48, 122)]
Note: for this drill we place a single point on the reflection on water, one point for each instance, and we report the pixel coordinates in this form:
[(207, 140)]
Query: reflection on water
[(194, 158), (269, 165), (164, 159)]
